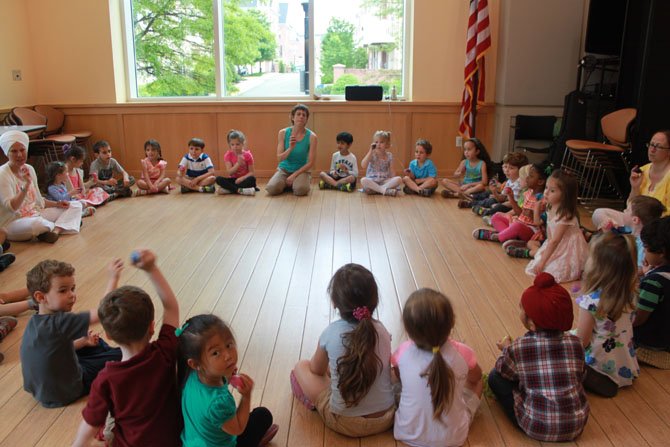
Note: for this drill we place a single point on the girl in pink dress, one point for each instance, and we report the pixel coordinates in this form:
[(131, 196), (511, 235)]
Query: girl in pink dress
[(153, 171), (564, 253), (74, 181)]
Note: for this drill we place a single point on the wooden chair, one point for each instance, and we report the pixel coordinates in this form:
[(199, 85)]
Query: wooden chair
[(600, 166)]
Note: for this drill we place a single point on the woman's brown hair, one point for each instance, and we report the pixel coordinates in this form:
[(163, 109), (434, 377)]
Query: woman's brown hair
[(428, 319), (353, 291)]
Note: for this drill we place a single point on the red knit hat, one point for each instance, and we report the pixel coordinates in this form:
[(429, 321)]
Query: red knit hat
[(548, 304)]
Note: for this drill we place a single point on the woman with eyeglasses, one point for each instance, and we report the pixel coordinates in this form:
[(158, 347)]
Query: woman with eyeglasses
[(652, 179), (24, 213)]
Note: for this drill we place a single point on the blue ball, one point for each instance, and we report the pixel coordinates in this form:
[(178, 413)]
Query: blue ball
[(135, 257)]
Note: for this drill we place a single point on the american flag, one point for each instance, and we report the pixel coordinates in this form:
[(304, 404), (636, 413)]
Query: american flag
[(478, 41)]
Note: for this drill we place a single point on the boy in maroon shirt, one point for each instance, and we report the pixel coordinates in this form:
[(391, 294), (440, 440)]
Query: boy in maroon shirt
[(140, 392)]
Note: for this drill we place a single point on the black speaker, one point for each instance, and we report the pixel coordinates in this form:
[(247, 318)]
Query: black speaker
[(363, 92)]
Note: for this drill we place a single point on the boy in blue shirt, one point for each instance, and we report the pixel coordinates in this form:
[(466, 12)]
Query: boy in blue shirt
[(421, 175), (196, 170)]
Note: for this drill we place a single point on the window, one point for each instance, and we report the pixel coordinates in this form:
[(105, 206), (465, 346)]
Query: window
[(263, 48)]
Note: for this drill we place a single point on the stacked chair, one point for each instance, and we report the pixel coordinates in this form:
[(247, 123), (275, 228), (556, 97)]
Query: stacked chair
[(600, 167)]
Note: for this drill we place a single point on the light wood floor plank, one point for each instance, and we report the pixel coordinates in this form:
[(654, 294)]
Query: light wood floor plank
[(263, 264)]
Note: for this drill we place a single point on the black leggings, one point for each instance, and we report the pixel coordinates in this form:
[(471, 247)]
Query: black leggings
[(260, 419), (230, 185), (504, 392)]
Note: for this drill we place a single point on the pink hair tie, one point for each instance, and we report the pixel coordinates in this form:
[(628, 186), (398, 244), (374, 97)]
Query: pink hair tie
[(362, 313)]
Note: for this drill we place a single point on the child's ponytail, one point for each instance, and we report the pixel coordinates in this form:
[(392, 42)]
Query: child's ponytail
[(441, 382), (428, 319), (353, 291), (359, 367)]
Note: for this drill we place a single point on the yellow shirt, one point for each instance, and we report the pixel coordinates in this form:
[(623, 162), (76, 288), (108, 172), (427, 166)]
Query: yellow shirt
[(661, 190)]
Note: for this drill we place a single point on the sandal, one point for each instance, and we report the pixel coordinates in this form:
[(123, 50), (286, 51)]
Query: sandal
[(299, 394)]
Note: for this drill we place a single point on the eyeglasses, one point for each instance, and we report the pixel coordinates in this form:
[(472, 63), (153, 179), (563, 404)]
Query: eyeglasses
[(656, 146)]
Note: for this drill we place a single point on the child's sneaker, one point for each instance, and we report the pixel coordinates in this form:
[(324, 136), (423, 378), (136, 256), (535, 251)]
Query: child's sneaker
[(391, 192), (426, 192), (185, 190), (516, 249), (322, 184), (247, 191), (6, 325), (407, 190), (6, 259), (487, 220), (140, 192), (447, 194), (483, 234), (207, 189), (125, 192), (88, 211), (50, 237), (464, 195), (221, 191), (299, 394), (479, 210), (345, 187), (464, 204)]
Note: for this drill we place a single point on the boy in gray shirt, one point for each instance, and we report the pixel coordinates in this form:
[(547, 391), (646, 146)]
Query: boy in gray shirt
[(107, 169), (60, 357)]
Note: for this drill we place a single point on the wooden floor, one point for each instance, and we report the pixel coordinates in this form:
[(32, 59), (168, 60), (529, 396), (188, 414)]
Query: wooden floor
[(263, 265)]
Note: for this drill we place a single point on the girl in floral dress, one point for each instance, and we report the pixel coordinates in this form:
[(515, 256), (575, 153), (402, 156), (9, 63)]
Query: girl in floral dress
[(605, 322), (153, 171), (89, 196)]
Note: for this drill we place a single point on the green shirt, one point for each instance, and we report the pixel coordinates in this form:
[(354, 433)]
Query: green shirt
[(205, 410), (298, 157)]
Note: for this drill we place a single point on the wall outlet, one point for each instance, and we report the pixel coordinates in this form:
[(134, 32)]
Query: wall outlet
[(459, 141), (16, 75)]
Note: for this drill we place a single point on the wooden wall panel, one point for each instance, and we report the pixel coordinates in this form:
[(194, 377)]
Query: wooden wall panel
[(128, 126), (173, 131)]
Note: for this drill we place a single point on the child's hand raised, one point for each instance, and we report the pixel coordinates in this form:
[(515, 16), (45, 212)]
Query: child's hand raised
[(143, 259), (115, 268), (92, 339)]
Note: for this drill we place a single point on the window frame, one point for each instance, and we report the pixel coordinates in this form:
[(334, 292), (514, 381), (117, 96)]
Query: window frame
[(130, 69)]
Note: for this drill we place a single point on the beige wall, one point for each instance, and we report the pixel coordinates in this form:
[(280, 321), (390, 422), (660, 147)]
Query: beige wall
[(16, 54), (70, 52)]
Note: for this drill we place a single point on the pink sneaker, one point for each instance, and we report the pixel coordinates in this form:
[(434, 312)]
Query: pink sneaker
[(267, 437), (299, 394)]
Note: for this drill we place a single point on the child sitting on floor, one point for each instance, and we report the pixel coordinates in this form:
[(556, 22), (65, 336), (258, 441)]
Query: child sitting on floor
[(60, 357), (606, 309), (140, 389), (642, 210), (88, 194), (343, 166), (421, 175), (538, 377), (474, 169), (240, 175), (348, 379), (153, 178), (441, 379), (653, 310), (196, 171), (498, 199), (57, 189), (106, 171), (380, 175)]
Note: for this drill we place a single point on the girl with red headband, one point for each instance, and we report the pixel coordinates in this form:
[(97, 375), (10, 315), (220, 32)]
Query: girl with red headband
[(348, 379)]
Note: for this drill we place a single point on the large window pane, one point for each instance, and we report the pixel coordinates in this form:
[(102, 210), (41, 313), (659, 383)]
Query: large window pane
[(358, 42), (265, 48), (174, 47)]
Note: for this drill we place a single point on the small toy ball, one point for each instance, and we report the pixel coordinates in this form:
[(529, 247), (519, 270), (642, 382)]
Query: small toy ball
[(236, 381), (135, 257)]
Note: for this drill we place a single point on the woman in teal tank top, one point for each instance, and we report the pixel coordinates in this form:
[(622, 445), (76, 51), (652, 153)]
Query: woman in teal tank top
[(296, 151)]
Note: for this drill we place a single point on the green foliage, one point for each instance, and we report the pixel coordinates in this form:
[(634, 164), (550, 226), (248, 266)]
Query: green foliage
[(344, 80), (338, 47), (174, 45), (385, 8)]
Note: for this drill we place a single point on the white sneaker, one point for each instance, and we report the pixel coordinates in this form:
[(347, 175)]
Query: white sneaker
[(220, 190), (247, 191)]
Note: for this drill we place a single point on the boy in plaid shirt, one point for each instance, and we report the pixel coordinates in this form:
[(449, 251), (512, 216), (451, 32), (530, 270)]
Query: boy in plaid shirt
[(538, 377)]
